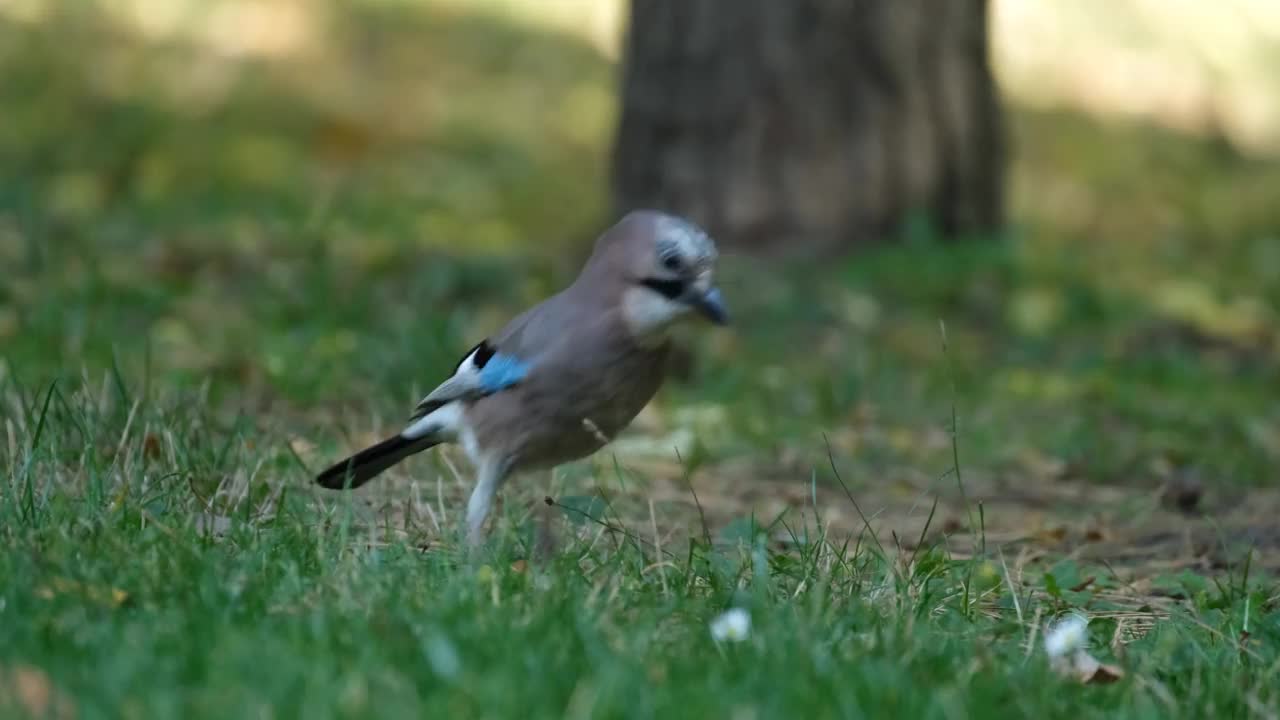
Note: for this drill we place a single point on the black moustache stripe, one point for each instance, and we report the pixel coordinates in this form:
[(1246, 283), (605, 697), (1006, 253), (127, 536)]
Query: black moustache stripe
[(669, 289)]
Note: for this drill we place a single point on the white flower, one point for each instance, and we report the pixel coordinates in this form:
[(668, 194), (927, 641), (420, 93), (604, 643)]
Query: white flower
[(733, 624), (1067, 637), (1067, 646)]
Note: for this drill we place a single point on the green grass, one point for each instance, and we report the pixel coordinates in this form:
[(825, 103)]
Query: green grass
[(210, 290), (143, 596)]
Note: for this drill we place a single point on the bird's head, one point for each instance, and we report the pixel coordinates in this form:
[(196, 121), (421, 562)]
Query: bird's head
[(667, 266)]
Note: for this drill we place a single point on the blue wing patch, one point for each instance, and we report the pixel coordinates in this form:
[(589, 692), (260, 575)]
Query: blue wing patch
[(501, 372)]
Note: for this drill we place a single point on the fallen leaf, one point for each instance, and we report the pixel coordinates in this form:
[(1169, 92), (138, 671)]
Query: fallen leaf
[(151, 446), (1088, 669), (1051, 535), (519, 566), (1083, 584)]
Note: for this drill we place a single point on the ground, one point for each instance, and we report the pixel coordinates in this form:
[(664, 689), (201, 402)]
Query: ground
[(225, 270)]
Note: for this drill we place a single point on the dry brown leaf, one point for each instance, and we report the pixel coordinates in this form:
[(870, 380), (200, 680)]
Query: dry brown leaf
[(1083, 584), (1050, 535), (1092, 671), (151, 446), (1087, 669)]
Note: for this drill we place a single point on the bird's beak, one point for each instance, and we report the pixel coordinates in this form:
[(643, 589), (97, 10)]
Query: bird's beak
[(711, 306)]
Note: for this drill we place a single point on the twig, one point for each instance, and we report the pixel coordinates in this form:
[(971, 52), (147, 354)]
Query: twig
[(1013, 592), (1035, 627), (604, 524), (657, 544), (865, 522), (955, 431), (702, 516)]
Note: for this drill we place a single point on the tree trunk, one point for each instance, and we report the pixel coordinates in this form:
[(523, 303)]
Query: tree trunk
[(810, 125)]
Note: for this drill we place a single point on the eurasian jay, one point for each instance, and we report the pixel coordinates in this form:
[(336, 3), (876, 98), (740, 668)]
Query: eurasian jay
[(563, 378)]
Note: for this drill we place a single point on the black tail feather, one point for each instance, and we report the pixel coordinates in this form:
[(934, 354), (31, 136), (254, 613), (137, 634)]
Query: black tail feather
[(370, 462)]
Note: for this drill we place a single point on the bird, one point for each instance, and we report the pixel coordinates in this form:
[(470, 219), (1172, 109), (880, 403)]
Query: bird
[(563, 378)]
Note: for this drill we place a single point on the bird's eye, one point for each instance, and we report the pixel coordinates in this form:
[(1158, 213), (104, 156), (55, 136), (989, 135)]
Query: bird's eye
[(671, 262)]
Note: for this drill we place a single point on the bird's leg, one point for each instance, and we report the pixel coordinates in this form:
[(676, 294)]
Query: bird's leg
[(488, 478)]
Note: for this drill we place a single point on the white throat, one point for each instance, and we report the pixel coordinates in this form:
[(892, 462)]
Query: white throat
[(649, 315)]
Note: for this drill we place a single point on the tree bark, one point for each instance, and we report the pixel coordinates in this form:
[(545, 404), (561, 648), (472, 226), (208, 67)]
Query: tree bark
[(810, 125)]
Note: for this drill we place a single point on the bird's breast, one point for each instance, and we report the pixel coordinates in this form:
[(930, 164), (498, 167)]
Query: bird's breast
[(550, 420)]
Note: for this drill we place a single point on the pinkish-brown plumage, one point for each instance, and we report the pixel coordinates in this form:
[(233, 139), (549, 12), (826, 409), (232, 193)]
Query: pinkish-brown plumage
[(588, 359)]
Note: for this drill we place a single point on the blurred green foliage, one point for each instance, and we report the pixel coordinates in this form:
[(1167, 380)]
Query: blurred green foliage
[(244, 216)]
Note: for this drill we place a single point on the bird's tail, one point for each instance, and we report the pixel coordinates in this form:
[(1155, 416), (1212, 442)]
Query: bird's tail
[(370, 462)]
